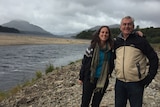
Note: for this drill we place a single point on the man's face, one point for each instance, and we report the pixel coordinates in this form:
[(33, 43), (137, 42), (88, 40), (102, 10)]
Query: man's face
[(126, 26)]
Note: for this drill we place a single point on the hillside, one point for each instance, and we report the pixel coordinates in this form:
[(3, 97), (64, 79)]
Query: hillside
[(26, 28), (73, 35), (60, 89), (9, 30), (151, 34)]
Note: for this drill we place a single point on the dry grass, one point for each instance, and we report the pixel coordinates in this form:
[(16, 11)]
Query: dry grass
[(19, 39)]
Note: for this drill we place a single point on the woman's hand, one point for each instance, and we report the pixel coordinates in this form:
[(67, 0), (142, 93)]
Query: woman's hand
[(139, 33), (80, 82)]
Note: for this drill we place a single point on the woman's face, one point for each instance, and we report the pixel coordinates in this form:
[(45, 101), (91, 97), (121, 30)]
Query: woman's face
[(104, 34)]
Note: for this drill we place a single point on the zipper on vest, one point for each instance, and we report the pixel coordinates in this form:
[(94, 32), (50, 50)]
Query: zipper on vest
[(138, 68), (123, 59)]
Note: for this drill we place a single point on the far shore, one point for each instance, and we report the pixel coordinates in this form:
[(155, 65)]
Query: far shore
[(20, 39)]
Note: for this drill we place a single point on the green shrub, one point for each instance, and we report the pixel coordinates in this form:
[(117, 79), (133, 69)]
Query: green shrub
[(38, 74), (155, 40), (49, 68), (3, 95), (71, 63), (15, 89)]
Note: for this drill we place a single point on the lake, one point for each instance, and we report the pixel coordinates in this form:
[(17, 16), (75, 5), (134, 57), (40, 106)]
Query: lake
[(19, 63)]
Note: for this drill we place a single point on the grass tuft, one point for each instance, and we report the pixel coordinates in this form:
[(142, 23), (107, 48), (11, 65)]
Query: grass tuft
[(49, 68)]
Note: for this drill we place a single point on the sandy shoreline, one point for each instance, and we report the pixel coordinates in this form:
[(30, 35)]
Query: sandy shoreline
[(19, 39)]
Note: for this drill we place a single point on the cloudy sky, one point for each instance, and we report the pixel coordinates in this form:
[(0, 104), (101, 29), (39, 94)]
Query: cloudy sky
[(70, 16)]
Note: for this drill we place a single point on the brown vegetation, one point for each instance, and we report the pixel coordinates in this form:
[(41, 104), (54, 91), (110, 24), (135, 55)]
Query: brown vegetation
[(19, 39)]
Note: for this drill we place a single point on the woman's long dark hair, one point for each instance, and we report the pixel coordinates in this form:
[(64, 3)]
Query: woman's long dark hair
[(96, 38)]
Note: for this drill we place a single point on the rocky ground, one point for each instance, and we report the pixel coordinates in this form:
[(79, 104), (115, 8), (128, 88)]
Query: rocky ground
[(61, 89)]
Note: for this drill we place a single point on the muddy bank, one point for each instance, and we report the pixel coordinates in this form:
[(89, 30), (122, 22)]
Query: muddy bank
[(18, 39)]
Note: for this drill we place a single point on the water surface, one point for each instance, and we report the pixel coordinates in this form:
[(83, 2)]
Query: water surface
[(20, 62)]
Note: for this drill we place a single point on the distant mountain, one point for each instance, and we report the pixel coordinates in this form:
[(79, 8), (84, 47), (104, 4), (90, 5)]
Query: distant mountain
[(88, 33), (110, 26), (69, 35), (114, 26), (92, 29), (26, 28)]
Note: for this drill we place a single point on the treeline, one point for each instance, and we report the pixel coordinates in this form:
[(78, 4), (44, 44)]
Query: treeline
[(8, 30), (152, 34)]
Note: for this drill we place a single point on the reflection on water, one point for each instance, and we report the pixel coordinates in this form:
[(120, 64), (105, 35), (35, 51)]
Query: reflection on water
[(19, 63)]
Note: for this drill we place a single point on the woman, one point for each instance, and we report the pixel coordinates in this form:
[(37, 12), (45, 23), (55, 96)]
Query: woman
[(97, 64)]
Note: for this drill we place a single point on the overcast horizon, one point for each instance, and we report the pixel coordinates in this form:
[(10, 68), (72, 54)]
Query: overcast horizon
[(62, 16)]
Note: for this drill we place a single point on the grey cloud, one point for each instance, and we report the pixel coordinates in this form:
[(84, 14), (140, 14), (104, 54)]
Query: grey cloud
[(75, 15)]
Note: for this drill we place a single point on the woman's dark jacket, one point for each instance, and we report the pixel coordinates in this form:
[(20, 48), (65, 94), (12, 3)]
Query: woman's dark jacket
[(86, 64)]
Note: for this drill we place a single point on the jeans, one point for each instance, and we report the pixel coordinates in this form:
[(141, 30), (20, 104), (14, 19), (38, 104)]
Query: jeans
[(88, 91), (131, 91)]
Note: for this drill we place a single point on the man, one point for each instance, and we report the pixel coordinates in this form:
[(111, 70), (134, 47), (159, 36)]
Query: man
[(132, 77)]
